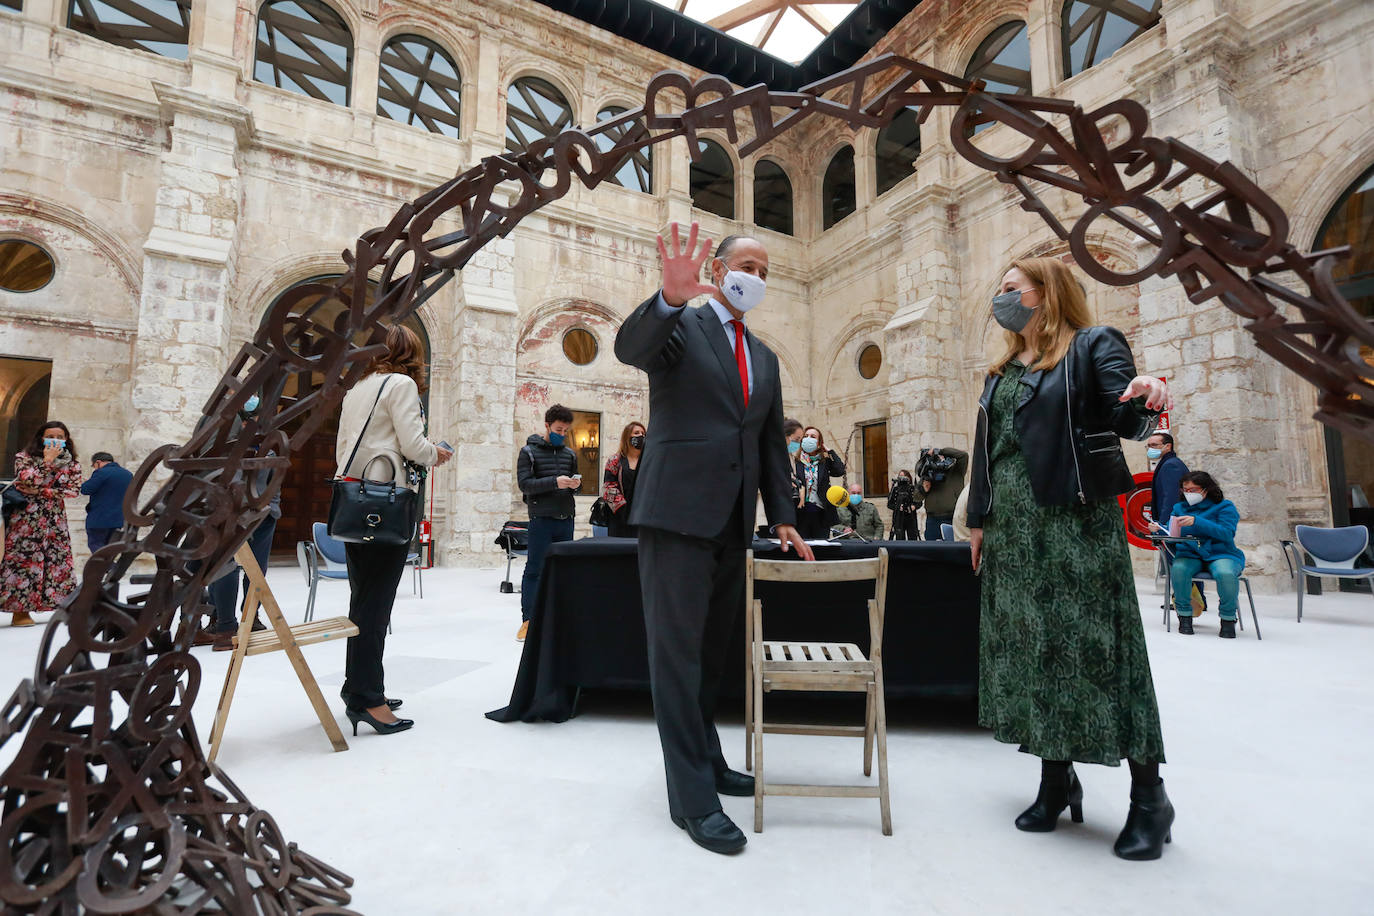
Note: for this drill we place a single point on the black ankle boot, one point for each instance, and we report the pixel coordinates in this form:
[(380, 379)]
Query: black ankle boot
[(1147, 824), (1059, 789), (1228, 629), (1185, 626)]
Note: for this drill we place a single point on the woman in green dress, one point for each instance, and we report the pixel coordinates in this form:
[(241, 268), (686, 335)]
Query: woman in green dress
[(1062, 665)]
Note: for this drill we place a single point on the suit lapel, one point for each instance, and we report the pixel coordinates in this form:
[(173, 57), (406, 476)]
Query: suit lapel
[(716, 335)]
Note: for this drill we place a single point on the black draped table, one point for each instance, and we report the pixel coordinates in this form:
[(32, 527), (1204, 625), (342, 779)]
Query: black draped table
[(588, 624)]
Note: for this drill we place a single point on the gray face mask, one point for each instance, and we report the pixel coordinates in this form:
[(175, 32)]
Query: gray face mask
[(1010, 313)]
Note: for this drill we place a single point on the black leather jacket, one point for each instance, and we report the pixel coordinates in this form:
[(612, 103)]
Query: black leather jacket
[(1070, 424)]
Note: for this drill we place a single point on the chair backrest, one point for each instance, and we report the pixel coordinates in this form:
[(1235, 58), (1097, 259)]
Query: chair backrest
[(305, 556), (1334, 548), (331, 550), (797, 571), (600, 531), (946, 531)]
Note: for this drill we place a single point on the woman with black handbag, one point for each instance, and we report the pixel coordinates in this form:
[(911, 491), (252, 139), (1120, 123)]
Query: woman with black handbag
[(618, 483), (381, 423)]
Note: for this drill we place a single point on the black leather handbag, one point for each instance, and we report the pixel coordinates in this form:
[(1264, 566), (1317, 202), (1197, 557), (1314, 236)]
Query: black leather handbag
[(13, 501), (372, 511), (601, 513)]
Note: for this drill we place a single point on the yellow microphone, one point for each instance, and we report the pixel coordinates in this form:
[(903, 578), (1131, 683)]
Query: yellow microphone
[(838, 496)]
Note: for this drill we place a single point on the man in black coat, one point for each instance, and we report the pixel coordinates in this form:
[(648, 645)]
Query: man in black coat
[(714, 444), (547, 474)]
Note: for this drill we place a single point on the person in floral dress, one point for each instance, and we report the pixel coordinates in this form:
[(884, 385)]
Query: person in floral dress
[(37, 570)]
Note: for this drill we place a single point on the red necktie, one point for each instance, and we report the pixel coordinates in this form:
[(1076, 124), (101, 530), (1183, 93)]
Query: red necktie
[(741, 360)]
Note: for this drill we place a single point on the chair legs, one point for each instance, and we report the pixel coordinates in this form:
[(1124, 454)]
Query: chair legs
[(310, 602), (1302, 587), (1254, 618), (880, 727), (869, 716)]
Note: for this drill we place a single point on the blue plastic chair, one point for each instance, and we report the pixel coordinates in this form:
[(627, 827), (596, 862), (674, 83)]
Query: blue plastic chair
[(946, 531), (1335, 551), (600, 531), (324, 559)]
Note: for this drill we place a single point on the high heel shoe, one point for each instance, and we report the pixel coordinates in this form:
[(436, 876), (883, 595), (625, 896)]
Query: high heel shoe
[(1059, 789), (393, 705), (383, 728), (1148, 825)]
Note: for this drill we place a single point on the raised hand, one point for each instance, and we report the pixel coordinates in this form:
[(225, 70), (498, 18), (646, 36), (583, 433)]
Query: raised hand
[(1156, 392), (682, 268)]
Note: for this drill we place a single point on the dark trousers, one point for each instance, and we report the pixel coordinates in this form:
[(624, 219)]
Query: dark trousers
[(904, 527), (224, 591), (693, 590), (97, 538), (543, 532), (933, 523), (374, 572), (811, 523)]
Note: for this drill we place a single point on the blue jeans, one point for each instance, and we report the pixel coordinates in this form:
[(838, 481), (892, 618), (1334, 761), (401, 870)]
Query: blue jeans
[(543, 532), (224, 591), (1226, 572), (933, 523)]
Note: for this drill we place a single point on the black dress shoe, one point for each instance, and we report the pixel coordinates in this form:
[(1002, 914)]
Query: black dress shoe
[(1185, 626), (713, 831), (394, 704), (732, 782)]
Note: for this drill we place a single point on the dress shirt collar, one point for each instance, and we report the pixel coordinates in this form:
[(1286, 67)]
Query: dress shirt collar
[(724, 315)]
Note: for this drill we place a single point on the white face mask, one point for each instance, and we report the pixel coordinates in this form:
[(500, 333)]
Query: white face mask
[(742, 290), (1194, 498)]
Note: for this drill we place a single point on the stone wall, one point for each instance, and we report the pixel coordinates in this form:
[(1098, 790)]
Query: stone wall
[(181, 197)]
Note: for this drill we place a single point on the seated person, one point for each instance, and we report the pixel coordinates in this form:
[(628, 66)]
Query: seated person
[(860, 516), (1210, 518)]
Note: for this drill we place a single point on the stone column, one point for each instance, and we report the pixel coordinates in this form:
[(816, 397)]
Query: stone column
[(1042, 31), (188, 268), (481, 406), (1228, 413), (926, 388)]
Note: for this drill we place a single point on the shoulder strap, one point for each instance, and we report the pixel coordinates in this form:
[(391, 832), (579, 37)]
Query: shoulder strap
[(354, 454)]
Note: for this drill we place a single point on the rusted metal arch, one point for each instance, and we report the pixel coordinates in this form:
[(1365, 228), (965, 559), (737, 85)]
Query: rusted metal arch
[(123, 813)]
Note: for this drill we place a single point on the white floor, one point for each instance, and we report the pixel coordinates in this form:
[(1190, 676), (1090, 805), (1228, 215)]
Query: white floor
[(1271, 746)]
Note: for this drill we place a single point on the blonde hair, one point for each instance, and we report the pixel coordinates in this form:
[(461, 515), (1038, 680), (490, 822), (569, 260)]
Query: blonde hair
[(1063, 310)]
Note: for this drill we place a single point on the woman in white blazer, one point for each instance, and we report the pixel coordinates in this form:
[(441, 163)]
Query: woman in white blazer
[(396, 430)]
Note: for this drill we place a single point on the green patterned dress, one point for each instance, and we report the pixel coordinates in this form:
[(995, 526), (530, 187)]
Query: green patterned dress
[(1062, 663)]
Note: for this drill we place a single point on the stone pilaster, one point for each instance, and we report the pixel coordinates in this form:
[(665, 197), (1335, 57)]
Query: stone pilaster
[(481, 405), (188, 268), (926, 388)]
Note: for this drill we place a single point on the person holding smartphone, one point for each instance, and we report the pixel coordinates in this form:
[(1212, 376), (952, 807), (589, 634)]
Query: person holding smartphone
[(548, 477)]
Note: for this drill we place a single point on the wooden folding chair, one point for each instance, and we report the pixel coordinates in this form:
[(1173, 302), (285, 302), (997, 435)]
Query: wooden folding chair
[(818, 666)]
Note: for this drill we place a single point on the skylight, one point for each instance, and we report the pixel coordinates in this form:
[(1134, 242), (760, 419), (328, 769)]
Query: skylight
[(785, 29)]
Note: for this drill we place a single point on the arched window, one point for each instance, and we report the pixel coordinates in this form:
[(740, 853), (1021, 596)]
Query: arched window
[(1003, 62), (899, 143), (772, 197), (305, 490), (17, 6), (418, 83), (636, 172), (24, 266), (712, 180), (160, 26), (1351, 222), (1094, 30), (837, 190), (304, 46), (534, 110)]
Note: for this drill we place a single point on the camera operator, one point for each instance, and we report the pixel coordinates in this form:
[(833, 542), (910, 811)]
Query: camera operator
[(940, 472), (904, 502)]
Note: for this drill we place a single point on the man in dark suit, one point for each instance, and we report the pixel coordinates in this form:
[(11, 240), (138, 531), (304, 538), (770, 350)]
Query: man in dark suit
[(715, 443), (105, 511)]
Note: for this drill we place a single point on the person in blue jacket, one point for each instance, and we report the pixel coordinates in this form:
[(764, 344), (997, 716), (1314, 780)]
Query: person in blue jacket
[(1205, 514), (105, 511)]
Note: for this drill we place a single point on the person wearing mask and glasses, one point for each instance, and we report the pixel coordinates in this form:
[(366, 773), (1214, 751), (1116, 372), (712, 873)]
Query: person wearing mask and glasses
[(37, 571), (618, 481), (815, 465), (860, 516), (1207, 515), (1063, 670)]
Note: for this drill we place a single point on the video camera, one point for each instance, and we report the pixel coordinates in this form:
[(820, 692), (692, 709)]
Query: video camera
[(933, 466)]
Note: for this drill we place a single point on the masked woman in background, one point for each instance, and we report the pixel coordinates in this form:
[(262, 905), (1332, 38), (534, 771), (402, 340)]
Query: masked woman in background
[(1062, 666), (37, 571), (815, 465), (618, 483)]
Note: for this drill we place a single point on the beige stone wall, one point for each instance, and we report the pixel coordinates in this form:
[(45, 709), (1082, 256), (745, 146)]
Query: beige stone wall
[(180, 198)]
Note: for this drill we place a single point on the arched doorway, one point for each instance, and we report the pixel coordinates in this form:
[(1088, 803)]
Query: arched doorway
[(1350, 459), (305, 491)]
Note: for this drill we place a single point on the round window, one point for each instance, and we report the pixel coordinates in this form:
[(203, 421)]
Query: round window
[(24, 267), (579, 346), (870, 360)]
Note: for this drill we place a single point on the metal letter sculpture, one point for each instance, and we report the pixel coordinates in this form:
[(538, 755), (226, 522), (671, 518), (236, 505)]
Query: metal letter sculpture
[(110, 805)]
